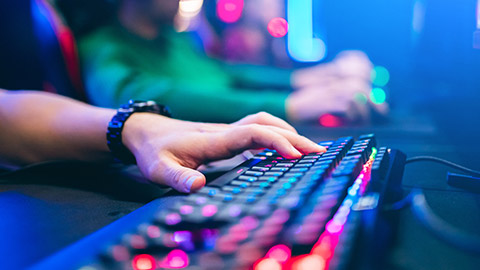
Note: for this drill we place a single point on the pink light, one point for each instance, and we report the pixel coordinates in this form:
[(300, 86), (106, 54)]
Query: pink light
[(328, 120), (229, 11), (209, 210), (138, 242), (278, 27), (311, 261), (120, 253), (267, 264), (239, 171), (176, 259), (279, 253), (143, 262), (249, 222), (333, 227), (186, 209), (172, 219), (153, 231)]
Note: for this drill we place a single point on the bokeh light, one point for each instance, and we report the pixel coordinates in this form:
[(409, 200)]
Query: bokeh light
[(361, 98), (143, 262), (187, 19), (229, 11), (280, 253), (176, 259), (304, 45), (311, 261), (478, 14), (380, 76), (378, 96), (267, 264), (278, 27), (329, 120), (189, 8)]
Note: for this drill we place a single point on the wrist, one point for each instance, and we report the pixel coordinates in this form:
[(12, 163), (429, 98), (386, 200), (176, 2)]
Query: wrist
[(115, 136), (138, 127)]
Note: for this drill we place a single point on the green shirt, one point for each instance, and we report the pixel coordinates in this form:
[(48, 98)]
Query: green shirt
[(118, 66)]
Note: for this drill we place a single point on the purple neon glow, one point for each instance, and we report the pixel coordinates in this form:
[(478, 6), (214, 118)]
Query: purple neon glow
[(172, 219)]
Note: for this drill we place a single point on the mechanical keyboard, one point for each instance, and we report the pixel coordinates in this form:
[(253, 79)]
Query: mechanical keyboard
[(321, 211)]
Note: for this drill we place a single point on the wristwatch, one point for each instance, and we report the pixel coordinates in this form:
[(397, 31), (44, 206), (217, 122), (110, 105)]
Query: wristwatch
[(115, 126)]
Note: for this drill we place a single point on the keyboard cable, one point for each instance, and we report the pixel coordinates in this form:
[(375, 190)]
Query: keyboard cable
[(429, 220)]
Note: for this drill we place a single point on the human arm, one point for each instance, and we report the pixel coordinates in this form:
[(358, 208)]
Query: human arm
[(118, 67), (38, 126)]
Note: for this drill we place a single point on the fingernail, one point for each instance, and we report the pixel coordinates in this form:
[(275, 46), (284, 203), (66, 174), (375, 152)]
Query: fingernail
[(322, 149), (296, 152), (189, 182)]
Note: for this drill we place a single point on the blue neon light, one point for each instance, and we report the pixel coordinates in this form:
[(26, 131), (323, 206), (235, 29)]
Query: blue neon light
[(302, 45)]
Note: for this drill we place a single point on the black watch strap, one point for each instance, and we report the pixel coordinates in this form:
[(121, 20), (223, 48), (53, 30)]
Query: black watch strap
[(115, 127)]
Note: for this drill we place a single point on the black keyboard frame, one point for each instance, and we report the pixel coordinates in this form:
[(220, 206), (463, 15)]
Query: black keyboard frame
[(362, 247)]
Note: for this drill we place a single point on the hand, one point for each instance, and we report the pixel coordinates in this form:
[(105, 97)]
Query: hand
[(168, 150), (334, 88), (347, 64), (334, 97)]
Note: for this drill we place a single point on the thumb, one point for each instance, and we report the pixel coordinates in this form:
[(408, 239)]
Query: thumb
[(184, 179)]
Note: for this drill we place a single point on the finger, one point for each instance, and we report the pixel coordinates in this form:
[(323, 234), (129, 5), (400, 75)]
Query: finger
[(181, 178), (300, 143), (263, 118), (256, 136)]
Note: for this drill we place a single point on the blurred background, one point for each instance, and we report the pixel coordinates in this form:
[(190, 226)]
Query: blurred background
[(424, 50)]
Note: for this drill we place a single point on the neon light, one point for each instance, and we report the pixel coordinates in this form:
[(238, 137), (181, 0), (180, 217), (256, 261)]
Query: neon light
[(361, 98), (380, 76), (229, 11), (209, 210), (172, 219), (378, 96), (143, 262), (329, 120), (418, 16), (153, 231), (176, 259), (186, 209), (189, 8), (302, 45), (312, 261), (279, 253), (418, 20), (478, 14), (267, 264), (278, 27), (182, 236)]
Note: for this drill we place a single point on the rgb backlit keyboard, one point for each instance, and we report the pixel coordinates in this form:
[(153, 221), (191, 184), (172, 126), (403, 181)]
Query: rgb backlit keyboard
[(321, 211)]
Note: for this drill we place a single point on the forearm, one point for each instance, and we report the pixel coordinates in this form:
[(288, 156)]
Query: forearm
[(187, 101), (38, 126)]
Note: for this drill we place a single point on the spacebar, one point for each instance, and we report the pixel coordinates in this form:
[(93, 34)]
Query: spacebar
[(234, 173)]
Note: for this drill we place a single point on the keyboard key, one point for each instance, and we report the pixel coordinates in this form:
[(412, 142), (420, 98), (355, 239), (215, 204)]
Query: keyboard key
[(241, 184), (279, 169), (273, 174), (260, 169), (248, 178), (253, 173)]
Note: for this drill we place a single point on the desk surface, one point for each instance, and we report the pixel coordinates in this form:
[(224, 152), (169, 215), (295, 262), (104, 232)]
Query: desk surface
[(49, 207)]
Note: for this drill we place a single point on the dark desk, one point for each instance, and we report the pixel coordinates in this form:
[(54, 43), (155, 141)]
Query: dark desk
[(47, 208)]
